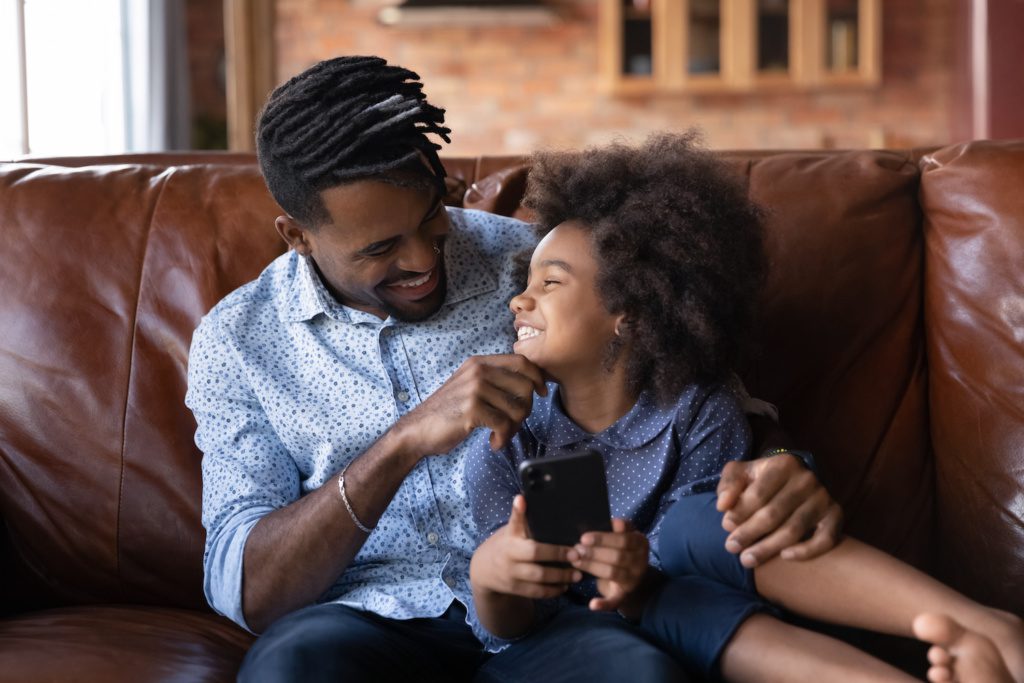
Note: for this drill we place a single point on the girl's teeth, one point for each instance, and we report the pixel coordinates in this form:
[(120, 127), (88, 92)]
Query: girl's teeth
[(527, 332)]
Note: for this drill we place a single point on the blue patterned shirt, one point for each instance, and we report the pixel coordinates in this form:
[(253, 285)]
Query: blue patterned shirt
[(653, 456), (288, 386)]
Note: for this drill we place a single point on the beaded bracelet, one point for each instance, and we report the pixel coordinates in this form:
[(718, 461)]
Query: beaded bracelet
[(348, 506)]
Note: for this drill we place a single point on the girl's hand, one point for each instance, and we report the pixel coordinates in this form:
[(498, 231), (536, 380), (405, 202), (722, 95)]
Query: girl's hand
[(618, 559), (509, 562)]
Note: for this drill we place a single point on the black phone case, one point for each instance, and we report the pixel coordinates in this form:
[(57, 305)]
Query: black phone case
[(566, 495)]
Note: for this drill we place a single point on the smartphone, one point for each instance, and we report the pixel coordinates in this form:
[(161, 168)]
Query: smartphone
[(566, 495)]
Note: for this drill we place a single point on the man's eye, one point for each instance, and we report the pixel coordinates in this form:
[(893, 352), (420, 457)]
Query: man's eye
[(380, 251)]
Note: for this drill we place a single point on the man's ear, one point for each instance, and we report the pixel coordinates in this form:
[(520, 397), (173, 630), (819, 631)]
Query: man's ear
[(293, 233)]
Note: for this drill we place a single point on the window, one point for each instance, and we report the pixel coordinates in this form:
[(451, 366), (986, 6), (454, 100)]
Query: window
[(73, 102), (738, 45), (93, 77), (12, 112)]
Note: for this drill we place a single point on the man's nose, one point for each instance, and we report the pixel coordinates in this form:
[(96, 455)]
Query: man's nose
[(419, 255)]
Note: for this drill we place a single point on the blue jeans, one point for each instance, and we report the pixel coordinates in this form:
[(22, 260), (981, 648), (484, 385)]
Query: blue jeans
[(337, 643), (708, 594)]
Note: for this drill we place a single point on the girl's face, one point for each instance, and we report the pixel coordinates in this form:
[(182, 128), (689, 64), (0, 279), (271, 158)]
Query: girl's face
[(561, 322)]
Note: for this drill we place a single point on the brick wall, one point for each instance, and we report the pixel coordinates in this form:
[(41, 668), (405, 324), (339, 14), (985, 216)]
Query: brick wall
[(208, 99), (509, 90)]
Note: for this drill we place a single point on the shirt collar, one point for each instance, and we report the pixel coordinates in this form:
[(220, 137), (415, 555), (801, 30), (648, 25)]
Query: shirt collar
[(468, 273), (641, 425), (307, 297)]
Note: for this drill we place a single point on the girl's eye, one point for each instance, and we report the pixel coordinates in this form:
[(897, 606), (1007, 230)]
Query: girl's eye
[(551, 282)]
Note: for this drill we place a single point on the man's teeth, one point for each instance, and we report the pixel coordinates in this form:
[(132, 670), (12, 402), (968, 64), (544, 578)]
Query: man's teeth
[(417, 282), (526, 332)]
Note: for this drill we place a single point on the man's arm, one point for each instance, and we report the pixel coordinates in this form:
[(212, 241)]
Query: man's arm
[(296, 552)]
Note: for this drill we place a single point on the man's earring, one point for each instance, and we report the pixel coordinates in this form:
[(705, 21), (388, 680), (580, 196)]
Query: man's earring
[(437, 249)]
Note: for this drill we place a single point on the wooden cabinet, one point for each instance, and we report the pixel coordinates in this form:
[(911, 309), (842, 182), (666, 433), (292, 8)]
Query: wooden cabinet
[(651, 46)]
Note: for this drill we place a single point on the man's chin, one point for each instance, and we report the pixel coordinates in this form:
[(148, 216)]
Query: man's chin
[(417, 311)]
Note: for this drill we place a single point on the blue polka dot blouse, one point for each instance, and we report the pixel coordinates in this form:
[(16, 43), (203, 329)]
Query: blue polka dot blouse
[(653, 456)]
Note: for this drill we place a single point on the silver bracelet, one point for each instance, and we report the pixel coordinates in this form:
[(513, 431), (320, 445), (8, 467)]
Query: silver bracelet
[(348, 506)]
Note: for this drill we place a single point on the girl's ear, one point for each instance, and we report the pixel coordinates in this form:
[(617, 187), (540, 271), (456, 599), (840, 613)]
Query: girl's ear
[(622, 324)]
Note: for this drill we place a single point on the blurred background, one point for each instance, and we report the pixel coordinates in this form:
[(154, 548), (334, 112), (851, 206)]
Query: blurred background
[(112, 76)]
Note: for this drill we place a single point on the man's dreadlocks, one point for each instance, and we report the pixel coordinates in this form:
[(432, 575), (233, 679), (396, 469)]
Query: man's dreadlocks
[(345, 119)]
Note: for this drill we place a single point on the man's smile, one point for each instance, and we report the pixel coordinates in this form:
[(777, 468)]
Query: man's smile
[(416, 287)]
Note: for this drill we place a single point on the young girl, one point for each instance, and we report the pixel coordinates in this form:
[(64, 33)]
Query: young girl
[(638, 297)]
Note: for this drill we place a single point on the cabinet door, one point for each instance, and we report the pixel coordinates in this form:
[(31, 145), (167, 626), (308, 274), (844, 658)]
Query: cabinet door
[(738, 45)]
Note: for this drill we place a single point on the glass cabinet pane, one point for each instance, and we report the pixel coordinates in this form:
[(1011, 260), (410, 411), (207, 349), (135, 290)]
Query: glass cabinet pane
[(705, 27), (773, 36), (841, 35), (637, 51)]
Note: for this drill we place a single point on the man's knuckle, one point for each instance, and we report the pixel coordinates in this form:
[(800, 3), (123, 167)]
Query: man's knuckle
[(771, 516), (806, 480), (806, 520)]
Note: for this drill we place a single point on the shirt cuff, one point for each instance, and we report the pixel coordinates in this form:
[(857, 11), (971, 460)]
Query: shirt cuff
[(222, 580)]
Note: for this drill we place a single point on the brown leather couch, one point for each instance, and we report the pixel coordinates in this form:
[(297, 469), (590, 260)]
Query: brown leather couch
[(891, 337)]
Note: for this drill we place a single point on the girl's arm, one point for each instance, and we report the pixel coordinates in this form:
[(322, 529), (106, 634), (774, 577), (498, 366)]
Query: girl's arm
[(507, 576), (504, 571)]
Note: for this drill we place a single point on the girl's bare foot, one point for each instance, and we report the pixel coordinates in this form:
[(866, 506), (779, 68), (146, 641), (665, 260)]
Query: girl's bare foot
[(958, 654)]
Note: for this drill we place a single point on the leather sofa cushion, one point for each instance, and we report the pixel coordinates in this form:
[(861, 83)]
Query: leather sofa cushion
[(120, 644), (973, 199)]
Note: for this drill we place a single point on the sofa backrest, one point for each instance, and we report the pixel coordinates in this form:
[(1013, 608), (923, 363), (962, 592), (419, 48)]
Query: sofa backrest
[(973, 201), (106, 272), (108, 267)]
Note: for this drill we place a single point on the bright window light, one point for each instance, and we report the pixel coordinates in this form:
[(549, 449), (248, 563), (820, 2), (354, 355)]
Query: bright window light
[(75, 77), (11, 143)]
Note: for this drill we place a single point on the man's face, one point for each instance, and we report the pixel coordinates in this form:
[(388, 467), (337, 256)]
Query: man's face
[(382, 251)]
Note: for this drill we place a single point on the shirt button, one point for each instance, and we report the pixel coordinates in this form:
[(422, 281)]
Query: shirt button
[(403, 395), (449, 581), (431, 538)]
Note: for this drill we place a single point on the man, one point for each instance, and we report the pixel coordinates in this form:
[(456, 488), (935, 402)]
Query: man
[(333, 395)]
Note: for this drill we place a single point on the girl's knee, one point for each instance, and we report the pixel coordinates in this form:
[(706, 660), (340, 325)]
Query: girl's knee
[(692, 542)]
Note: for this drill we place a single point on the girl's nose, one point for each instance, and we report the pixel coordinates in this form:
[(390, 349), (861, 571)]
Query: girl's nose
[(518, 303)]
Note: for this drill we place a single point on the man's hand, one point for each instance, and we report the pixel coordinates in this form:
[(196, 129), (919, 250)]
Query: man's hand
[(771, 505), (509, 562), (486, 391), (618, 559)]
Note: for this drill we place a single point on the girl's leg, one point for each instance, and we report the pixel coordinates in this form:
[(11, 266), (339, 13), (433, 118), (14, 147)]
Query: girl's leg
[(766, 649), (853, 584), (720, 631), (857, 585)]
